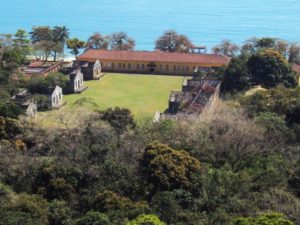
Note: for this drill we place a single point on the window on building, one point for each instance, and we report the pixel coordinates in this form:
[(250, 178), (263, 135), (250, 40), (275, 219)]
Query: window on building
[(124, 66), (138, 66), (120, 65), (174, 68), (113, 65), (129, 66), (143, 66), (167, 67), (160, 67), (53, 100)]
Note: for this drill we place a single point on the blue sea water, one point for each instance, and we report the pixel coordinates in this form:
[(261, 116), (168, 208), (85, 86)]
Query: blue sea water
[(206, 22)]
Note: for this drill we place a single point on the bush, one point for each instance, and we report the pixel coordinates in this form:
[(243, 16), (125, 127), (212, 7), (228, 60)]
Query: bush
[(146, 220)]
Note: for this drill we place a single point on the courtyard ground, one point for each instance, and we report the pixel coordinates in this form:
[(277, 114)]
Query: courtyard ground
[(142, 94)]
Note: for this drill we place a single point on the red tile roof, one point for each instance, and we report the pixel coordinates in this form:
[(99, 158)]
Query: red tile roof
[(296, 68), (35, 64), (153, 56)]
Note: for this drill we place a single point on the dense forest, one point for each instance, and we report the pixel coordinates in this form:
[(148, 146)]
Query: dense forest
[(238, 163)]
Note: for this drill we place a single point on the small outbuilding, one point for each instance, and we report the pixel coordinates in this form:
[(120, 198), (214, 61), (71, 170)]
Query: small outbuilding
[(55, 96), (91, 70), (76, 84)]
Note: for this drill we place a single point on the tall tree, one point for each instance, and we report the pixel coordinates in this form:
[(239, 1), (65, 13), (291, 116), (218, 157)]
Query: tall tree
[(294, 53), (226, 48), (171, 41), (236, 77), (121, 42), (41, 38), (22, 42), (60, 36), (49, 41), (75, 45), (269, 68), (97, 41), (282, 46)]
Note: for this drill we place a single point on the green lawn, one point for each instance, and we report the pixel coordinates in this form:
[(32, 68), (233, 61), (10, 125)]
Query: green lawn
[(142, 94)]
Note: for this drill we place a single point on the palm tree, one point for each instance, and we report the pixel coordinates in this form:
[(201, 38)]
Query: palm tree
[(60, 36)]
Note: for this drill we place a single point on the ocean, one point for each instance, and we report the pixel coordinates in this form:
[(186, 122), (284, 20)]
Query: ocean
[(205, 22)]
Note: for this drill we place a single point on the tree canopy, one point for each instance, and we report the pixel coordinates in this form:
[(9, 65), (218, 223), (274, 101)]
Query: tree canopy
[(171, 41)]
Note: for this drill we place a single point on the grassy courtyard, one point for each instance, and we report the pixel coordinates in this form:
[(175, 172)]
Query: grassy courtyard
[(142, 94)]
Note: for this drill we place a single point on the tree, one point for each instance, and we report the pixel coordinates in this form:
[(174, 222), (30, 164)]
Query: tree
[(294, 53), (97, 41), (275, 126), (120, 119), (59, 37), (75, 45), (282, 47), (236, 76), (41, 33), (49, 40), (118, 208), (57, 79), (9, 128), (267, 218), (41, 38), (166, 169), (12, 58), (146, 220), (121, 42), (8, 108), (266, 42), (38, 85), (249, 47), (59, 213), (269, 69), (93, 218), (22, 42), (171, 41), (30, 208), (226, 48)]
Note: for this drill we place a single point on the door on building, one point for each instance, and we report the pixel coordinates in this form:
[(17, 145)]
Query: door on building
[(151, 67)]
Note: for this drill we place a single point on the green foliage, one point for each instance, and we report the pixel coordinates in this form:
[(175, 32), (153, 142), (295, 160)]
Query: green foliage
[(41, 85), (24, 209), (282, 101), (48, 40), (97, 41), (119, 118), (57, 79), (269, 69), (42, 101), (264, 219), (57, 181), (236, 77), (294, 180), (120, 41), (93, 218), (166, 168), (8, 108), (9, 128), (275, 125), (75, 45), (118, 208), (59, 213), (146, 220), (38, 85), (171, 41)]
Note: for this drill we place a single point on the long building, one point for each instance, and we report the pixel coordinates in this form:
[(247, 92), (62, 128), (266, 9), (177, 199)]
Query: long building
[(153, 62)]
